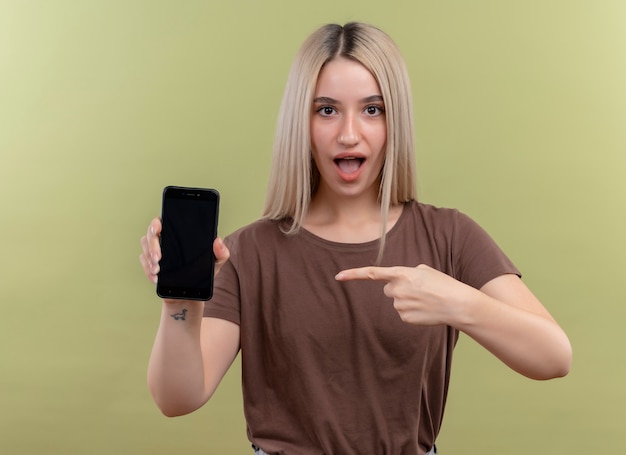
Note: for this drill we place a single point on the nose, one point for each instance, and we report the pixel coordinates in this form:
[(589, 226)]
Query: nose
[(349, 133)]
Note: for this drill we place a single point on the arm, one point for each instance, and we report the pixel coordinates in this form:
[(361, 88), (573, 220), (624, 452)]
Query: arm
[(510, 322), (189, 358), (190, 354), (503, 316)]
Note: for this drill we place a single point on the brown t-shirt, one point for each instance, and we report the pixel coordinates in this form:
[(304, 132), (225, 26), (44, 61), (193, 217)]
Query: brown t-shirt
[(328, 366)]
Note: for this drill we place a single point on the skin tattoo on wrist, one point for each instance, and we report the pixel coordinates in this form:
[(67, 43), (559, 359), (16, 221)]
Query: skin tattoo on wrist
[(180, 316)]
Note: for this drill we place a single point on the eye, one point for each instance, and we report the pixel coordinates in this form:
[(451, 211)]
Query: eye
[(326, 111), (373, 110)]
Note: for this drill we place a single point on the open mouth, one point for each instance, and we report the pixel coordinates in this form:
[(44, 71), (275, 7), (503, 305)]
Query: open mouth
[(349, 164)]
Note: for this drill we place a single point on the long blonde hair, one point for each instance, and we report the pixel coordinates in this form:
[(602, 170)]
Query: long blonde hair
[(294, 176)]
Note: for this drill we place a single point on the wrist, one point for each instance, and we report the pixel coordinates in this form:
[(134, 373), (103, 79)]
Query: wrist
[(181, 310), (466, 311)]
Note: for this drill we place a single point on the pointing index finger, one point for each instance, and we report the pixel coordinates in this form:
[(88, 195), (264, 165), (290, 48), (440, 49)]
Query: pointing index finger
[(367, 273)]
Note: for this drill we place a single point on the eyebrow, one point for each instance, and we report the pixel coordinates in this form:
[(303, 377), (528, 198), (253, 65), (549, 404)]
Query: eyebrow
[(328, 100)]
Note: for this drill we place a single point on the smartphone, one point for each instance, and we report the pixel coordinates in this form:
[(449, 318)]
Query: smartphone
[(189, 227)]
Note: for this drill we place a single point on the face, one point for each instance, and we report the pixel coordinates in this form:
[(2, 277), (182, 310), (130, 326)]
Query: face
[(348, 130)]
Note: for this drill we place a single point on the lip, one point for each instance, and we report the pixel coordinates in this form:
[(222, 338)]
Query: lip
[(344, 155)]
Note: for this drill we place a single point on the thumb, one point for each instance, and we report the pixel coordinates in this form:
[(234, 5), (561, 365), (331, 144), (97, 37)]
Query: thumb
[(221, 251)]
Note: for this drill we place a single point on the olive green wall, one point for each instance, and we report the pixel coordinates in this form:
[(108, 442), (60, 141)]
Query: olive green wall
[(520, 115)]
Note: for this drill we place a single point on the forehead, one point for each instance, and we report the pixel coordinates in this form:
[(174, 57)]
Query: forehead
[(347, 78)]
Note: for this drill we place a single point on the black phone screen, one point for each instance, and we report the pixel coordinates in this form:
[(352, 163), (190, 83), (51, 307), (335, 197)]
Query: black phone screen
[(189, 217)]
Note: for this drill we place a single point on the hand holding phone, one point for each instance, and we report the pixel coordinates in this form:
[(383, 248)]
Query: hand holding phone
[(189, 228)]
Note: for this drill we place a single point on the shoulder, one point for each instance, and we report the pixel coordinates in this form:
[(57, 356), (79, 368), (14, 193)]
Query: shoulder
[(471, 254), (436, 217), (430, 210), (259, 226), (443, 225), (259, 232)]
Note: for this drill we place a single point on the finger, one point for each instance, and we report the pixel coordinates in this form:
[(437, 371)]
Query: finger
[(153, 243), (367, 273), (221, 251), (150, 267), (151, 250), (144, 263), (154, 228), (147, 268)]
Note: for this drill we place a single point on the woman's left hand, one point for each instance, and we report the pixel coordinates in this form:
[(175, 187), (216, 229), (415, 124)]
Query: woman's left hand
[(421, 295)]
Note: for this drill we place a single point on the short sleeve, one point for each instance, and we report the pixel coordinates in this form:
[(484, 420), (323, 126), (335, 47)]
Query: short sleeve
[(476, 257)]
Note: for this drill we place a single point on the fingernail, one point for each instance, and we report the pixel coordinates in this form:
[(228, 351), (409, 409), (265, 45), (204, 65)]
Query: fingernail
[(339, 276)]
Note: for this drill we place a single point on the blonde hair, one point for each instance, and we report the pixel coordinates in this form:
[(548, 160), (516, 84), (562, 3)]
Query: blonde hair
[(294, 176)]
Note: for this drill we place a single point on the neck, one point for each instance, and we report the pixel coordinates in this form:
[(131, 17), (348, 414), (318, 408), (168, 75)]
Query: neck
[(347, 219), (344, 209)]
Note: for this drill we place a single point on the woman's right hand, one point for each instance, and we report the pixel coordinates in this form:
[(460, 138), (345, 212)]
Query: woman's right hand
[(151, 251)]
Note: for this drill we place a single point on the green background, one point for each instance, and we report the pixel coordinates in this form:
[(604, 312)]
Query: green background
[(520, 122)]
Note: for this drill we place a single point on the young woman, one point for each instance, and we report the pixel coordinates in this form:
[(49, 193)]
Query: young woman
[(347, 297)]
